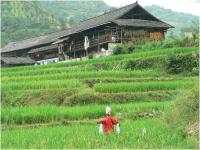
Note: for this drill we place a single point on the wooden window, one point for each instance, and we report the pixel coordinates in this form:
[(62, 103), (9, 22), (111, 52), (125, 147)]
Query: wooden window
[(156, 36)]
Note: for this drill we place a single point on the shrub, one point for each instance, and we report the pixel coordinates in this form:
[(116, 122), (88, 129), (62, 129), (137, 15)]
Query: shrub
[(90, 56), (104, 66), (184, 110), (177, 63), (179, 42), (186, 105), (119, 49), (151, 45), (195, 71), (143, 63), (169, 43), (130, 47)]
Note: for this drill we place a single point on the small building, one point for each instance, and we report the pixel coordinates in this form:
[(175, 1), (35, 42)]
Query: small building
[(16, 61), (129, 23)]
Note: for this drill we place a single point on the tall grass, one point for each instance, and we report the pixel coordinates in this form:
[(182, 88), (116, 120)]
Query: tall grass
[(83, 75), (47, 84), (78, 96), (142, 86), (136, 54), (52, 96), (49, 113), (77, 136), (184, 110), (44, 71)]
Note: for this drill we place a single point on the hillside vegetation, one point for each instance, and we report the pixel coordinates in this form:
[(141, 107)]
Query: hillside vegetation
[(74, 12), (177, 19), (63, 101), (25, 19), (22, 19)]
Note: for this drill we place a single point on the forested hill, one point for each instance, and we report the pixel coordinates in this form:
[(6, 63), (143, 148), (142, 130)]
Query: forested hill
[(25, 19), (177, 19), (22, 19), (75, 11)]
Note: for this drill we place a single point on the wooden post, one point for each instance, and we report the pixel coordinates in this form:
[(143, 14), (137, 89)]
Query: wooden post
[(81, 54), (98, 42), (74, 49), (98, 48), (87, 52), (121, 35)]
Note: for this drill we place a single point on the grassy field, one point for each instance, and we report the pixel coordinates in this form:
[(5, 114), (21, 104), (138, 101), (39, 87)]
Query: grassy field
[(49, 113), (57, 105), (142, 86), (137, 54), (86, 136)]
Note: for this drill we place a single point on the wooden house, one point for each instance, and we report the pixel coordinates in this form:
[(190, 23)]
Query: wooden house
[(129, 23)]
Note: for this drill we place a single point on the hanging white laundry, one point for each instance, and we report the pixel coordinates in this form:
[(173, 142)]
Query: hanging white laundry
[(86, 43)]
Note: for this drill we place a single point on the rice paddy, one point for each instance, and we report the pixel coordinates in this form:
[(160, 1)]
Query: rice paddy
[(49, 113), (137, 54), (141, 86), (58, 105), (86, 136)]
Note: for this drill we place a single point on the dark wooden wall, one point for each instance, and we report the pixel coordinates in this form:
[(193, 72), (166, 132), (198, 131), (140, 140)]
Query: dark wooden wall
[(104, 36), (98, 37)]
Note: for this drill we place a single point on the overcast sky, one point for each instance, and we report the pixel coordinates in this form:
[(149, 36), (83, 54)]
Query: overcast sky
[(187, 6)]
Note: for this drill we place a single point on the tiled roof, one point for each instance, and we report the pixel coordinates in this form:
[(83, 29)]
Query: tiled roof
[(17, 60)]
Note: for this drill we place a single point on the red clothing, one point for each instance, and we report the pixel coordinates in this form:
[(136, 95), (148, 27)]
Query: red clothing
[(108, 123)]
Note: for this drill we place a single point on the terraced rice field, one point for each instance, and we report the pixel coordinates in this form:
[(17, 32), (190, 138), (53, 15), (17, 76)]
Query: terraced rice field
[(57, 105), (86, 135)]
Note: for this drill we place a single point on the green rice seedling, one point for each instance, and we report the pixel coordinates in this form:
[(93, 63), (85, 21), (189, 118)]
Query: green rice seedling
[(127, 63), (92, 81), (47, 84), (49, 113), (84, 75), (142, 86), (54, 96), (137, 54), (45, 71), (129, 94), (89, 96), (141, 79), (78, 136), (78, 96)]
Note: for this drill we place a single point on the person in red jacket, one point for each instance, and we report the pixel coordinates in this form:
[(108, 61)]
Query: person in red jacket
[(108, 122)]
